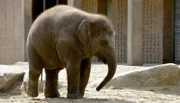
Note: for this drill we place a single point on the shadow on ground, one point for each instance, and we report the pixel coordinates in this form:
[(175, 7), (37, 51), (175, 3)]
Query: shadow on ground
[(85, 100)]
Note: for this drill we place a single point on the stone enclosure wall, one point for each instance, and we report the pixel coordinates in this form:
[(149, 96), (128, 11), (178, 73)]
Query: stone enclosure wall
[(12, 38), (157, 34)]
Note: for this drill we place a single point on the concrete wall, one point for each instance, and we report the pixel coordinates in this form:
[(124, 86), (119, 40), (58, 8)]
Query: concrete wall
[(157, 36), (27, 14), (90, 6), (153, 31), (134, 31), (119, 19), (75, 3), (156, 28), (12, 38)]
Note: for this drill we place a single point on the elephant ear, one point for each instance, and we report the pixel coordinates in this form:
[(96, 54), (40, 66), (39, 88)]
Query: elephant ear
[(83, 32)]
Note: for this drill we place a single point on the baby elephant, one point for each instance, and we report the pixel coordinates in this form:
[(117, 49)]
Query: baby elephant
[(65, 37)]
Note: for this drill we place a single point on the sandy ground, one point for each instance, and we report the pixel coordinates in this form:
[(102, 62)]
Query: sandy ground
[(165, 94)]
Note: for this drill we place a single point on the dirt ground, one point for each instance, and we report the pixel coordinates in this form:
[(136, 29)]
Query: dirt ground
[(165, 94)]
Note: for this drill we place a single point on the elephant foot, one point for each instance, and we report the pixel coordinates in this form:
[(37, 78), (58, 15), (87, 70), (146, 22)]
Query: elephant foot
[(50, 94), (74, 96), (32, 92), (82, 93)]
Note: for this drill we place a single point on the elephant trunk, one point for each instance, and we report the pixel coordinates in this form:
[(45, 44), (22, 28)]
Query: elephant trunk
[(111, 62)]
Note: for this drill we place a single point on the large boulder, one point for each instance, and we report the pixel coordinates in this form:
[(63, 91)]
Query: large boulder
[(11, 77), (9, 81), (160, 75)]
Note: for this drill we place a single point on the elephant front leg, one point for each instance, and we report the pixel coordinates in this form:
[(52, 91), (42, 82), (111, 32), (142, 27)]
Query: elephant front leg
[(51, 87), (85, 72), (73, 76)]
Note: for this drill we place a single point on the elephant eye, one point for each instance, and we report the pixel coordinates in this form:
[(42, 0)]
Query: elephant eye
[(104, 43)]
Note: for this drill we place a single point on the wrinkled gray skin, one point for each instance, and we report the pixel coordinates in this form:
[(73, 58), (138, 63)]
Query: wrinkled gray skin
[(65, 37)]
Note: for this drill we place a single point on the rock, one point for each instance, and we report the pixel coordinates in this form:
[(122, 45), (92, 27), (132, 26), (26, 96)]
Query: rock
[(9, 81), (161, 75), (11, 77)]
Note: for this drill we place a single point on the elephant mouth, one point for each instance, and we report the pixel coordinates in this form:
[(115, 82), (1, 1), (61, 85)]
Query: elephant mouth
[(101, 58), (104, 61)]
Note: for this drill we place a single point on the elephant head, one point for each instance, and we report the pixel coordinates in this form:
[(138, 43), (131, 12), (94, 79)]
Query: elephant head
[(97, 37)]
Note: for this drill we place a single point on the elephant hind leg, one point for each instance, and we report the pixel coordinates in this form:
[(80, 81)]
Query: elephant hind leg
[(51, 87), (33, 83), (35, 69), (85, 72)]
